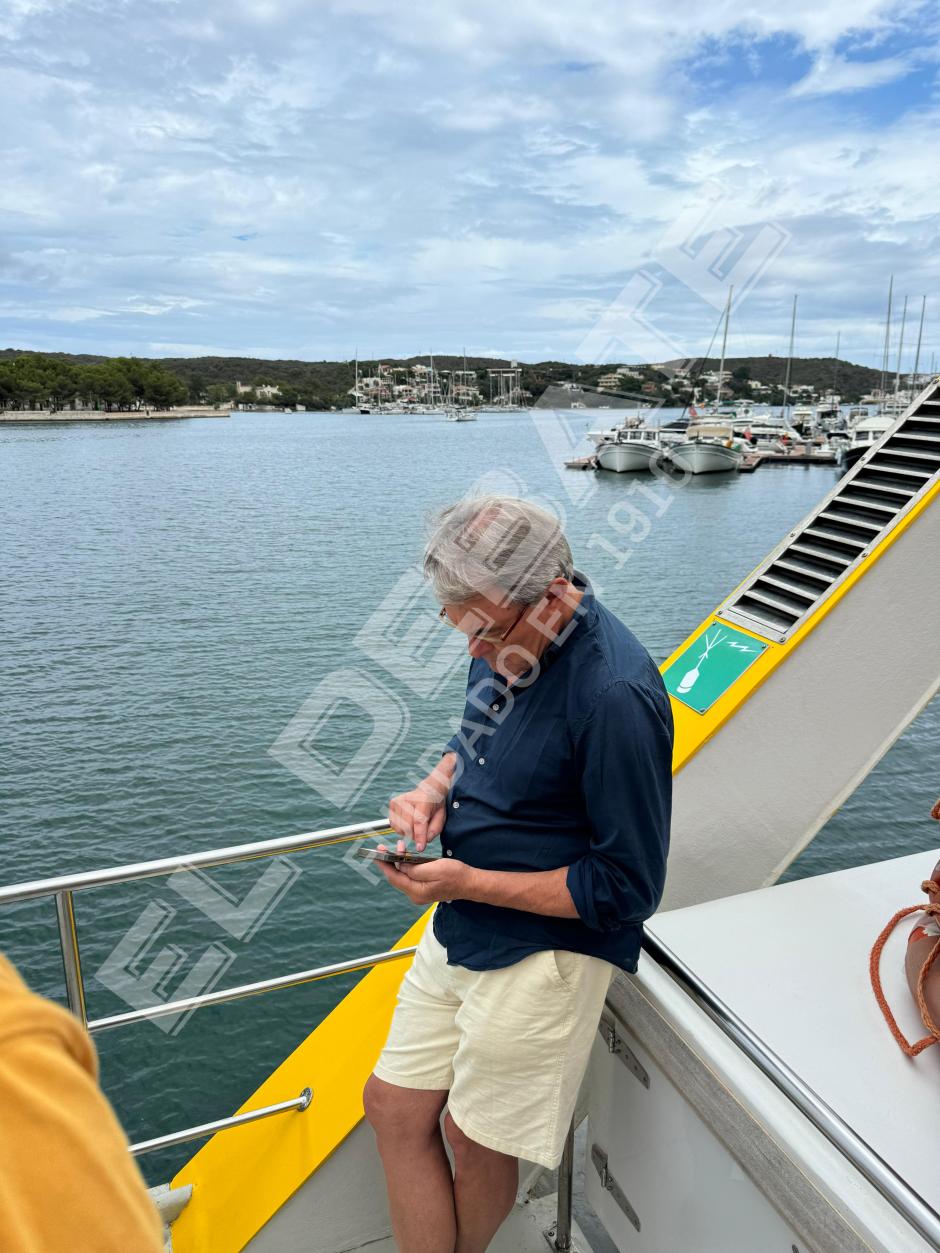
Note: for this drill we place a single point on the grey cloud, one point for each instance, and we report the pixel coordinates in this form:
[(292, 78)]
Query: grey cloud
[(309, 178)]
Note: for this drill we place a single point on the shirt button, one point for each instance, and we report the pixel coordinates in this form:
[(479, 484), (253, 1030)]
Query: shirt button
[(482, 761), (456, 805), (450, 852), (496, 707)]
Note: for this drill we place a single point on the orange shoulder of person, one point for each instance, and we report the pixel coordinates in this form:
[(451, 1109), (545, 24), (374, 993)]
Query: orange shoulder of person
[(67, 1180)]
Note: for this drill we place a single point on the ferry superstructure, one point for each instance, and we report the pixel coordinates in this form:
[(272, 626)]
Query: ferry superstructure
[(744, 1093)]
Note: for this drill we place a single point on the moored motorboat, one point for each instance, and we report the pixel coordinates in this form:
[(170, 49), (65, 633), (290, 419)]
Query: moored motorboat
[(709, 448), (865, 435), (633, 450)]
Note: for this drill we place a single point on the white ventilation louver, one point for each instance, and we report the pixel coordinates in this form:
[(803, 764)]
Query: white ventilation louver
[(854, 517)]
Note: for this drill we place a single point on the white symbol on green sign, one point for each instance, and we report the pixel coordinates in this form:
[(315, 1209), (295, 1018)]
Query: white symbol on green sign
[(713, 661)]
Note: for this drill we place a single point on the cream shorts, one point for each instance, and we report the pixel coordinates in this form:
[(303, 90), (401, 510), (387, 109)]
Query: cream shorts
[(510, 1046)]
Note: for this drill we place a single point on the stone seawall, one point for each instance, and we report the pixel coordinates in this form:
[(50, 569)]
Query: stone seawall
[(117, 415)]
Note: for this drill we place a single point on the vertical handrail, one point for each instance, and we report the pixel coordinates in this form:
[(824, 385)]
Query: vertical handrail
[(565, 1188), (71, 955)]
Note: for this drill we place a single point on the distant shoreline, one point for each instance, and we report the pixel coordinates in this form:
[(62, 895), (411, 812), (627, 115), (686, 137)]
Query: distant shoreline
[(116, 415)]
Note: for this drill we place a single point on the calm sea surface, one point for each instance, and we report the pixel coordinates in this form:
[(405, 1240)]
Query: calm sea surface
[(172, 594)]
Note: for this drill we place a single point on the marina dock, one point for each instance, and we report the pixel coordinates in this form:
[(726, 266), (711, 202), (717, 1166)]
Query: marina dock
[(115, 415)]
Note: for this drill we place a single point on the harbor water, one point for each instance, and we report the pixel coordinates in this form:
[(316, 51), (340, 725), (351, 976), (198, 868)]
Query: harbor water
[(175, 591)]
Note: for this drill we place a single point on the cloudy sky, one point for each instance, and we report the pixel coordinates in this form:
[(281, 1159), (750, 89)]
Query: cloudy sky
[(287, 178)]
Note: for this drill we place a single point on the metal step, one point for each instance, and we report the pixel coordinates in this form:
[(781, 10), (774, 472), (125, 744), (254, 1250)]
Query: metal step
[(899, 471), (849, 519), (804, 593), (884, 489), (766, 616), (933, 458), (820, 554), (802, 570), (929, 438), (775, 602), (860, 502), (833, 537)]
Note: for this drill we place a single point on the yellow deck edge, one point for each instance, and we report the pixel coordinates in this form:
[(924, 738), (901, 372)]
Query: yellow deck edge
[(692, 729), (241, 1178)]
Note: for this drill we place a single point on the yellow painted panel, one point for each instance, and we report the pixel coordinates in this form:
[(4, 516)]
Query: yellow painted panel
[(694, 729), (243, 1176)]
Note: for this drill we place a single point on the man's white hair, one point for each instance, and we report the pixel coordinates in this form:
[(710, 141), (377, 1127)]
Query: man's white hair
[(502, 542)]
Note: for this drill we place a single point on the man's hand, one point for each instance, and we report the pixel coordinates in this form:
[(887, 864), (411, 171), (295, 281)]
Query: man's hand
[(535, 892), (441, 880), (419, 814)]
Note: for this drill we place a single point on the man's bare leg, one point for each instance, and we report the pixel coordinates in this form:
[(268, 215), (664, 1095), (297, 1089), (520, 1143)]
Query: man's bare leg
[(485, 1184), (417, 1173)]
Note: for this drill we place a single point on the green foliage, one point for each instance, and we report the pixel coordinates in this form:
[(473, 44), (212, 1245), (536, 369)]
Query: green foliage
[(32, 380), (851, 381), (35, 380)]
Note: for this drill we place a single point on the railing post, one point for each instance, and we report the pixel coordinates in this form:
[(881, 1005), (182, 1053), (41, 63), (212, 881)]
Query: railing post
[(71, 957), (565, 1185)]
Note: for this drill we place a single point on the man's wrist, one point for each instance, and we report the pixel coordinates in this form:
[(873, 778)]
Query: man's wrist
[(475, 884)]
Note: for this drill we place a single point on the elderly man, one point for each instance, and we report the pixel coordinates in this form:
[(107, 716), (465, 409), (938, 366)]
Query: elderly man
[(552, 804)]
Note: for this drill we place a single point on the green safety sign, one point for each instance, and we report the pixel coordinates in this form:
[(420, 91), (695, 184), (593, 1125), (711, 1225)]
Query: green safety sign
[(712, 662)]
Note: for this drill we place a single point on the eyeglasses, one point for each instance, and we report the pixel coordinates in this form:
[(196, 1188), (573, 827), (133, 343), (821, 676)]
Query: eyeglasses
[(486, 637)]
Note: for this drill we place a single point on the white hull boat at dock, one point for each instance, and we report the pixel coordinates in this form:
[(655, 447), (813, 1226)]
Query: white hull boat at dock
[(634, 449), (709, 448), (626, 455)]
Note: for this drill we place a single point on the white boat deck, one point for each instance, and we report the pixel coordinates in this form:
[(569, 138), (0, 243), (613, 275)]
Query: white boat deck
[(816, 1010)]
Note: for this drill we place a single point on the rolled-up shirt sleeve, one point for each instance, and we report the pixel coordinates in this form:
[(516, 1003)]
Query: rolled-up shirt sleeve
[(624, 754)]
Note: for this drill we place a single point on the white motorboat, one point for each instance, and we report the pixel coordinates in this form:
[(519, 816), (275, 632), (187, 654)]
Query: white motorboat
[(803, 416), (460, 415), (828, 412), (633, 450), (866, 433), (765, 432), (708, 448), (609, 436), (613, 433)]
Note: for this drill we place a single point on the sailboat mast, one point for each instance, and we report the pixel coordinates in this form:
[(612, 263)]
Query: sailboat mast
[(897, 377), (786, 381), (920, 336), (724, 345), (835, 363), (884, 358)]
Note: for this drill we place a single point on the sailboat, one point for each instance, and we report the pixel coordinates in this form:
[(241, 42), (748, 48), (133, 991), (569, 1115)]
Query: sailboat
[(710, 445), (455, 411)]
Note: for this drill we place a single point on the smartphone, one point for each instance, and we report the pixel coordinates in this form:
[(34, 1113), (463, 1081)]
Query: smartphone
[(391, 857)]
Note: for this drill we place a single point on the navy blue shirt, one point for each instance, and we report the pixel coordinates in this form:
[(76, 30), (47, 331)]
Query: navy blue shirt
[(570, 766)]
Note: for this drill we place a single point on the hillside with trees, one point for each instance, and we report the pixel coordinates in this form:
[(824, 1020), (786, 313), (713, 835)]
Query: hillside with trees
[(819, 373), (62, 380)]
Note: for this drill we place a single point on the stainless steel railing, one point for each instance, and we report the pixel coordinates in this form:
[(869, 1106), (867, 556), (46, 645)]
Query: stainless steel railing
[(62, 889), (221, 1124)]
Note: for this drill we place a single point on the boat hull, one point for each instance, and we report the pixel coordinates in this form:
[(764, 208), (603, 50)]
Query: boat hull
[(626, 455), (852, 454), (702, 457)]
